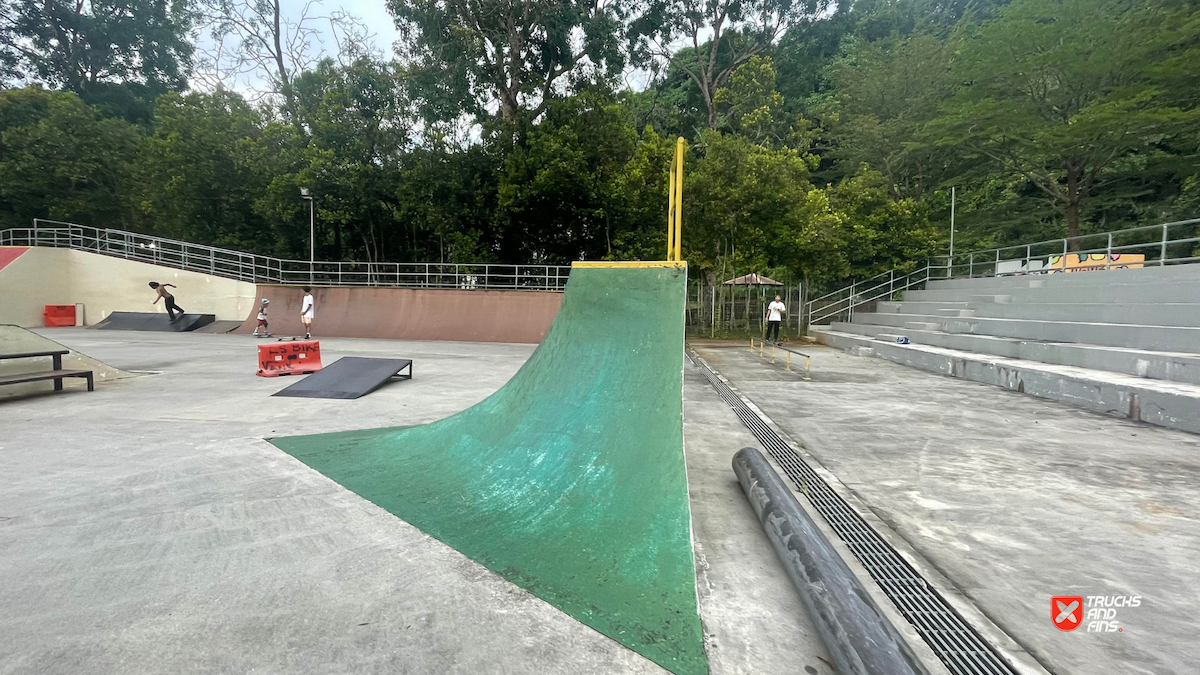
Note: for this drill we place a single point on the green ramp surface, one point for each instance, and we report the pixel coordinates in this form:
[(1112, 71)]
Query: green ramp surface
[(569, 481)]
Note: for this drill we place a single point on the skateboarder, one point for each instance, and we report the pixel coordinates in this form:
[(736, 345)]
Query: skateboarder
[(262, 320), (775, 313), (168, 300), (306, 312)]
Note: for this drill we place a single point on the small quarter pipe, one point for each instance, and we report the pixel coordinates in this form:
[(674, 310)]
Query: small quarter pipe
[(411, 313)]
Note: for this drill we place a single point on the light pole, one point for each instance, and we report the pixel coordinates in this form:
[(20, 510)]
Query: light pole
[(312, 246)]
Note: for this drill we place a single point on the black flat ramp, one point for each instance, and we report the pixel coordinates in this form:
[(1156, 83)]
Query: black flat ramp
[(154, 321), (349, 377)]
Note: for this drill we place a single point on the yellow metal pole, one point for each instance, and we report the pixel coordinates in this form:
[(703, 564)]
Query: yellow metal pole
[(679, 199), (671, 212), (772, 353), (789, 361)]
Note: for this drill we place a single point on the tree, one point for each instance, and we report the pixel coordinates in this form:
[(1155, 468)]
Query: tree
[(196, 178), (83, 45), (558, 198), (752, 106), (1061, 92), (746, 206), (59, 160), (255, 46), (472, 54), (883, 92), (881, 233), (723, 35)]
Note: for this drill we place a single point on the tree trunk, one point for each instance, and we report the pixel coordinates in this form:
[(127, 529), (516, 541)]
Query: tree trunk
[(1075, 195), (1072, 214)]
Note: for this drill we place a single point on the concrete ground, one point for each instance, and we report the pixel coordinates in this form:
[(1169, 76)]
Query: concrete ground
[(1011, 498), (146, 528)]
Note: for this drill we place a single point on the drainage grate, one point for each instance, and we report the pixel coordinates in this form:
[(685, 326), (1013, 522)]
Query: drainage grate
[(955, 643)]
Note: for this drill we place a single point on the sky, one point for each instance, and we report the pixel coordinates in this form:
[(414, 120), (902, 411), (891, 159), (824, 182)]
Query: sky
[(373, 12)]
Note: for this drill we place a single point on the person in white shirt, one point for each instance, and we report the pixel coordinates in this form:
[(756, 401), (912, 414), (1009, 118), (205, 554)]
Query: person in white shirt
[(775, 313), (306, 312)]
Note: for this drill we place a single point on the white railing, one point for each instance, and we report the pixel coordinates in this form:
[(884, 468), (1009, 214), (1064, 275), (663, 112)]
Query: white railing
[(1172, 243), (843, 302), (267, 270)]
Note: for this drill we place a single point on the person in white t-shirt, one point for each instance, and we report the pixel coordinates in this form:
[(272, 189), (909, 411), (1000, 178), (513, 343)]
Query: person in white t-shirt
[(775, 313), (306, 312)]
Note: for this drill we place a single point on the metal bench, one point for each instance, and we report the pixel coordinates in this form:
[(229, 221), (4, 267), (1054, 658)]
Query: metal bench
[(57, 374)]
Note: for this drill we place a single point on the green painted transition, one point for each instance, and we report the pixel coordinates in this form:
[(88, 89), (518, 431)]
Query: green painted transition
[(569, 481)]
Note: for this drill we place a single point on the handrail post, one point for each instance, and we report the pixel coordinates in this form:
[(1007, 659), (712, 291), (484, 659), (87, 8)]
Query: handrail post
[(1108, 253), (1162, 255)]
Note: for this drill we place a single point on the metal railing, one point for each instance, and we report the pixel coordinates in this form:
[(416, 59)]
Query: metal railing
[(844, 301), (1174, 243), (1163, 244), (267, 270)]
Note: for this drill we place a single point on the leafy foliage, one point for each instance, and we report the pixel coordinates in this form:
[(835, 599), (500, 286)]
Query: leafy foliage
[(822, 142)]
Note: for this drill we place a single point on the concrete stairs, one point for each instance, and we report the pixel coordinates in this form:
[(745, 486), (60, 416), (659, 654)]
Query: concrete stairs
[(1122, 341)]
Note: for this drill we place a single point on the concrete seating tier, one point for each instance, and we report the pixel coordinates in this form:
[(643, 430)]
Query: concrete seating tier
[(1130, 337)]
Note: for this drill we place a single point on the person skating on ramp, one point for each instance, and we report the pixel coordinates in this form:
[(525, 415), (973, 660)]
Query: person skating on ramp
[(168, 300), (306, 312), (262, 320)]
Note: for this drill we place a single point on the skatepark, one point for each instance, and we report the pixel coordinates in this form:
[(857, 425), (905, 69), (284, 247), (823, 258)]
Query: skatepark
[(552, 489)]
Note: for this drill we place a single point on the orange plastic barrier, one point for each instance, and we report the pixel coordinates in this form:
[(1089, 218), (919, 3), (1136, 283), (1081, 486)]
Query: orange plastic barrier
[(59, 315), (289, 358)]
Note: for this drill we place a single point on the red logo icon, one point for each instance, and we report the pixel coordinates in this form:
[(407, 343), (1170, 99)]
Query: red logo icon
[(1066, 611)]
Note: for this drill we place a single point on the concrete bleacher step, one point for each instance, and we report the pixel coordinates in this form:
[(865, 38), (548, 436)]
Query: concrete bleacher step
[(1109, 293), (907, 307), (1136, 336), (1161, 365), (1167, 404), (1146, 314), (922, 325), (1148, 275)]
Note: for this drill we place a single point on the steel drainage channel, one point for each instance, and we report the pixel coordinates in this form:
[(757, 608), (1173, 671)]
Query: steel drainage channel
[(955, 643)]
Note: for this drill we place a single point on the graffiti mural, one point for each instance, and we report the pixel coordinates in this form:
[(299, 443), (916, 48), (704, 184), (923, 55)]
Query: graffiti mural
[(1084, 262)]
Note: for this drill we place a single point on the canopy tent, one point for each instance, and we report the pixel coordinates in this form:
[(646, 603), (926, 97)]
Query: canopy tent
[(752, 279)]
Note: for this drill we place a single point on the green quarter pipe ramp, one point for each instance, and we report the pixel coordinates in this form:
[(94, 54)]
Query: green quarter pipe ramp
[(569, 481)]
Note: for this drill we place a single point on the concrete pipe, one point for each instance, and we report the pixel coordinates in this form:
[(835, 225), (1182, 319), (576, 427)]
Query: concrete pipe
[(859, 638)]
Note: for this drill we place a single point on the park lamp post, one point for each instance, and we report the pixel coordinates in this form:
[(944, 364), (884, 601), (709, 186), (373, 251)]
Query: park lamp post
[(312, 246)]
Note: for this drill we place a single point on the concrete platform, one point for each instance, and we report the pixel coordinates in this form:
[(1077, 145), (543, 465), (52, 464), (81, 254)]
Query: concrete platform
[(1161, 338), (1158, 365), (150, 529), (1011, 498), (1170, 404)]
